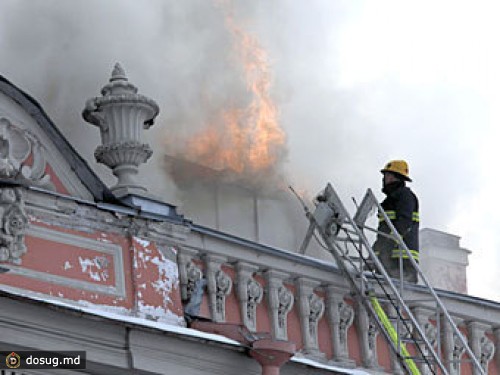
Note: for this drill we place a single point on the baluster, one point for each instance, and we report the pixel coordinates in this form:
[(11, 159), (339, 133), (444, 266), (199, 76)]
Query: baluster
[(311, 309), (249, 293), (481, 346), (367, 333), (280, 302), (219, 285), (340, 317)]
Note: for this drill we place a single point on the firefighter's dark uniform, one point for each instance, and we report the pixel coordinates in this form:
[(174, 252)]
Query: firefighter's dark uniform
[(401, 206)]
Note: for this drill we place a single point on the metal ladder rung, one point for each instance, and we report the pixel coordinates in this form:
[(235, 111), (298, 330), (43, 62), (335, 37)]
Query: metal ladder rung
[(411, 340), (347, 239), (371, 275), (395, 318), (418, 300), (420, 359), (383, 297), (351, 257)]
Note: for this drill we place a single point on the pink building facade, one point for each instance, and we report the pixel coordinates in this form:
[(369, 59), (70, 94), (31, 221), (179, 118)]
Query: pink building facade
[(143, 290)]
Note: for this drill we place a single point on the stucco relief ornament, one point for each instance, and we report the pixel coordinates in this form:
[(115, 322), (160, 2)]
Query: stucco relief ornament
[(346, 314), (255, 293), (316, 310), (458, 351), (224, 284), (194, 274), (372, 335), (431, 333), (14, 223), (21, 156), (285, 299), (487, 351)]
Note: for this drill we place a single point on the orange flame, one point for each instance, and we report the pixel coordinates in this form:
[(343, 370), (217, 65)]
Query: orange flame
[(249, 139)]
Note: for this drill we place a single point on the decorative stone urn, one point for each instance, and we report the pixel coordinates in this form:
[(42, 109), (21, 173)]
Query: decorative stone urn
[(122, 114)]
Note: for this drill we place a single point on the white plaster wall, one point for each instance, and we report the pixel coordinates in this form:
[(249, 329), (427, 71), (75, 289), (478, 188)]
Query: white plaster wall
[(275, 219), (443, 261)]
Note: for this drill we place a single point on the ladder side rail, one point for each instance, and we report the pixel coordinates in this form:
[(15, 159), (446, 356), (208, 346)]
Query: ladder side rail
[(401, 347), (336, 252), (363, 210), (396, 293), (445, 312), (387, 278)]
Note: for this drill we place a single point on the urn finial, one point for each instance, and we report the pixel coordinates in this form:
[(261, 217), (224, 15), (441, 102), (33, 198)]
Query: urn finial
[(122, 114)]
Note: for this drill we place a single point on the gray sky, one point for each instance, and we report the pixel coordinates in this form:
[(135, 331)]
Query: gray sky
[(357, 83)]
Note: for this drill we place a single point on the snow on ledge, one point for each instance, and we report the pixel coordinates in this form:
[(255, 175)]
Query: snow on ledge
[(117, 314), (312, 363)]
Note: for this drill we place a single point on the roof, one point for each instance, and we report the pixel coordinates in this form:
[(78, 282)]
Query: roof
[(87, 176)]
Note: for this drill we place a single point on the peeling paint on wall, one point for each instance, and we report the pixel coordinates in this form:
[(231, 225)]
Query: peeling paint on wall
[(157, 279), (96, 268)]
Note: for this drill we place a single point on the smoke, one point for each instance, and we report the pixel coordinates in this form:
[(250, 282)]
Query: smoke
[(63, 52), (355, 85)]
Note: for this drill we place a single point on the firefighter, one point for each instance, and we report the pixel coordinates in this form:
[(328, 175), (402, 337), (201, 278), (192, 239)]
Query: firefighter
[(401, 206)]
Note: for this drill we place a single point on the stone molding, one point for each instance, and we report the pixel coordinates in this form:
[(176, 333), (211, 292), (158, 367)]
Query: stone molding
[(114, 154), (114, 250), (70, 213)]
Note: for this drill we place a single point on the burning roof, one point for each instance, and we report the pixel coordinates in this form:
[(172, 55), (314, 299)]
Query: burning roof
[(246, 140)]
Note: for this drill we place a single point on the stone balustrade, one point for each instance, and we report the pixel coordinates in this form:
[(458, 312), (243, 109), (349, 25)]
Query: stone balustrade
[(307, 301), (227, 279)]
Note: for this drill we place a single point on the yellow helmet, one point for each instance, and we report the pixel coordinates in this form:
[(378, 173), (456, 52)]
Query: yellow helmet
[(399, 167)]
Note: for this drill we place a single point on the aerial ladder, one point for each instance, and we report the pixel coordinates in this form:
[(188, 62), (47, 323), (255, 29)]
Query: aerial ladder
[(344, 237)]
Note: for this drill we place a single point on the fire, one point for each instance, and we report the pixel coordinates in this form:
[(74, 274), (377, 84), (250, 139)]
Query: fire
[(249, 139)]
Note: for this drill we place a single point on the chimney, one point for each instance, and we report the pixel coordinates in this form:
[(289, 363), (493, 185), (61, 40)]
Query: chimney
[(121, 115), (443, 261)]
